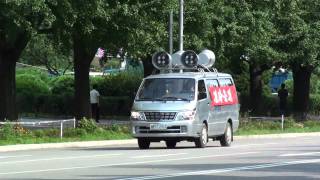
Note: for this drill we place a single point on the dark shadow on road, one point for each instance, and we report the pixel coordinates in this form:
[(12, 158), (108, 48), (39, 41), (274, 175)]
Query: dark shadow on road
[(128, 148)]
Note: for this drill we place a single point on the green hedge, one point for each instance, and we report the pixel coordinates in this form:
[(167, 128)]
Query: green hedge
[(314, 104), (115, 105), (31, 93), (54, 95)]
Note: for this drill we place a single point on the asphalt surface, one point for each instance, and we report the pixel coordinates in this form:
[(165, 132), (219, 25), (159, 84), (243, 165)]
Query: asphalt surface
[(247, 158)]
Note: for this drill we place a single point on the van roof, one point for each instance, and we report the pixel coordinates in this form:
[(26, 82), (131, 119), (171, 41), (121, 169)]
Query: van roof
[(189, 75)]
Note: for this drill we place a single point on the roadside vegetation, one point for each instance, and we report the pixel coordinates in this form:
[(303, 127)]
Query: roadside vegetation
[(88, 130), (258, 127), (39, 94)]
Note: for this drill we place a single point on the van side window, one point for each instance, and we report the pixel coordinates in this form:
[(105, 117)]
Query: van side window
[(202, 90), (225, 82), (212, 83)]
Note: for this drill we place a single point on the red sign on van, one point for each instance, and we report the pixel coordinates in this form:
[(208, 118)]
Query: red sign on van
[(225, 95)]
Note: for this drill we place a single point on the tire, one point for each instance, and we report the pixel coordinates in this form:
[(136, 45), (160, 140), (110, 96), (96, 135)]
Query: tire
[(202, 141), (171, 144), (226, 138), (143, 143)]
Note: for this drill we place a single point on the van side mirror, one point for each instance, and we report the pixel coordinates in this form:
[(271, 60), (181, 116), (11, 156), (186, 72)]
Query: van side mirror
[(202, 95)]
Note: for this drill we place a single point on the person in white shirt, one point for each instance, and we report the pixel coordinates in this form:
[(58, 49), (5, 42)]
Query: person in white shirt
[(94, 100)]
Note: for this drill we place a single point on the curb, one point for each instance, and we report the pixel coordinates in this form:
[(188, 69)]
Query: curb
[(272, 136), (86, 144), (82, 144)]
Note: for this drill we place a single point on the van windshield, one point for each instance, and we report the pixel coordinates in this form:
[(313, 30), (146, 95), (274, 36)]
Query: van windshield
[(167, 89)]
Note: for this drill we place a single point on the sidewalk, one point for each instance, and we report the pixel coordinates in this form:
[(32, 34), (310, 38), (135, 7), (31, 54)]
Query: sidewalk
[(85, 144)]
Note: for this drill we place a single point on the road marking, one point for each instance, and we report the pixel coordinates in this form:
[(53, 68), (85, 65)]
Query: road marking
[(58, 158), (123, 164), (248, 145), (217, 171), (18, 156), (163, 155), (300, 154)]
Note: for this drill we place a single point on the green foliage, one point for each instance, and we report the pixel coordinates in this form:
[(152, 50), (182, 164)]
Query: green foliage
[(45, 52), (32, 92), (122, 84), (6, 131), (89, 125), (115, 105), (62, 85), (42, 74), (62, 89), (15, 134), (9, 131), (314, 103), (289, 86), (314, 84), (265, 31), (251, 127), (77, 132)]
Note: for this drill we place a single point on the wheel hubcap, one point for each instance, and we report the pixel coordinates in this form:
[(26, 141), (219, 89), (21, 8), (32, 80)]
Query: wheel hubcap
[(228, 134), (204, 135)]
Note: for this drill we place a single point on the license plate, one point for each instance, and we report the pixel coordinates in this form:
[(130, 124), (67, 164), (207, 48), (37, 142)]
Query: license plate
[(158, 127)]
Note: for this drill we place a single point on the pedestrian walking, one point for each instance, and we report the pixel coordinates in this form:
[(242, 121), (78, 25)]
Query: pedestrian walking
[(94, 100), (283, 94)]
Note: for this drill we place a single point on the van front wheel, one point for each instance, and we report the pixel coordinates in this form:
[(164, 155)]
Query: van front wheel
[(226, 138), (143, 143), (202, 141)]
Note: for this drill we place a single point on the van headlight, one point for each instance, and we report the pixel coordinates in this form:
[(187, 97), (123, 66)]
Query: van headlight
[(186, 115), (137, 116)]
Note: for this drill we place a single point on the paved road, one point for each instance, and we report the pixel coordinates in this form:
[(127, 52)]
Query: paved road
[(278, 159)]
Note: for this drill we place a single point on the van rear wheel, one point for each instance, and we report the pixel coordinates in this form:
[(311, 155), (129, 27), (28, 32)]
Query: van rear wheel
[(143, 143), (226, 138), (171, 144), (202, 141)]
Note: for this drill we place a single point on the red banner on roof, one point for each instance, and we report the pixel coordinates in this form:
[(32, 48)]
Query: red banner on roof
[(225, 95)]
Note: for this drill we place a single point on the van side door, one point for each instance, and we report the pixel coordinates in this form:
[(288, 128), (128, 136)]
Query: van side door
[(203, 102), (214, 116)]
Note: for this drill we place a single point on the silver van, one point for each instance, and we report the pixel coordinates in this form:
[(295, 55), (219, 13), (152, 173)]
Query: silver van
[(185, 106)]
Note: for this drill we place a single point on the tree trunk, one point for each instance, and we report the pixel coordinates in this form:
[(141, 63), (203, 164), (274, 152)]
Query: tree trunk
[(9, 55), (82, 60), (301, 90), (7, 88), (256, 86)]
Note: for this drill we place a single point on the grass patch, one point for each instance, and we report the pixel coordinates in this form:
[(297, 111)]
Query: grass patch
[(255, 127), (87, 131)]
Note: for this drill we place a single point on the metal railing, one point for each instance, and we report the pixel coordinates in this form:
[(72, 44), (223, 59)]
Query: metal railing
[(270, 119), (39, 123)]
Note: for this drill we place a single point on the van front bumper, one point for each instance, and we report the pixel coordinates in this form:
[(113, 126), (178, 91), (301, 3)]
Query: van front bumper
[(164, 130)]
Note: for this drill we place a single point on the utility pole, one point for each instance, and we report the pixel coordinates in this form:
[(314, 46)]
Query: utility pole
[(181, 26), (170, 32)]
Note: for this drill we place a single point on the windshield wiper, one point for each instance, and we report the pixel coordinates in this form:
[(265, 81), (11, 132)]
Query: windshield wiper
[(175, 98), (144, 98)]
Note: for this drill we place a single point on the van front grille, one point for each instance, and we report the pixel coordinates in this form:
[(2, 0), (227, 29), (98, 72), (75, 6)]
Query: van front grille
[(160, 116), (171, 129)]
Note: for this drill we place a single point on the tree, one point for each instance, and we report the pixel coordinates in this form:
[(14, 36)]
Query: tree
[(19, 19), (243, 32), (82, 25), (298, 25), (43, 51)]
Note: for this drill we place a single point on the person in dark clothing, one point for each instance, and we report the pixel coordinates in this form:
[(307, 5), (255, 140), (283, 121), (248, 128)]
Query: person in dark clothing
[(283, 94)]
